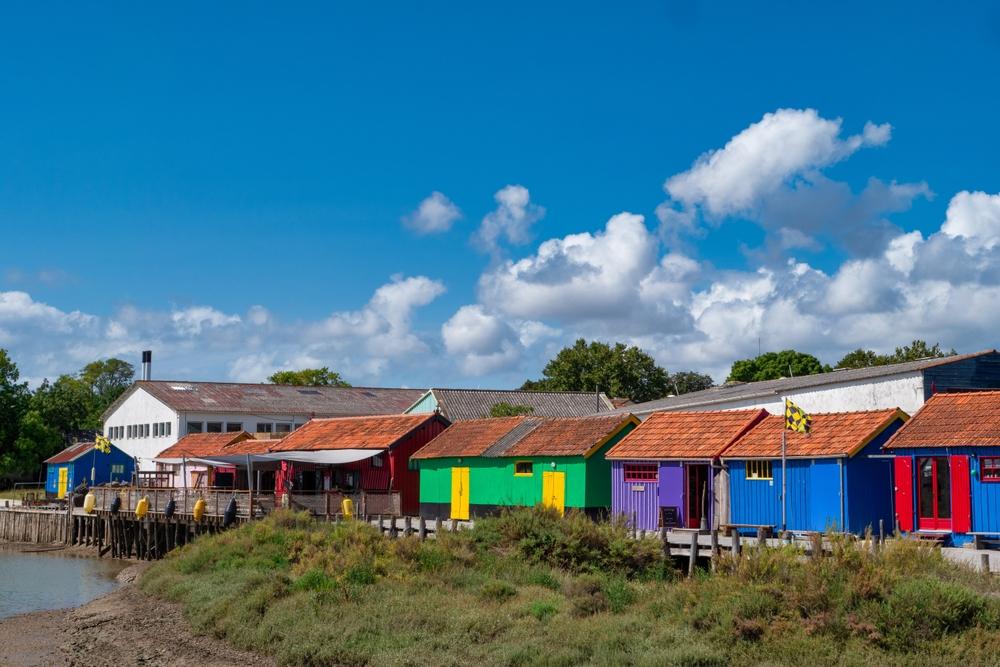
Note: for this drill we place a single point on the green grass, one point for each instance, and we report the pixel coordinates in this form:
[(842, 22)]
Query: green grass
[(530, 588)]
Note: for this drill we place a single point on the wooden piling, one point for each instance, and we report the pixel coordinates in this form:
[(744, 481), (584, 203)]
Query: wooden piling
[(422, 528), (984, 563), (693, 558), (737, 548)]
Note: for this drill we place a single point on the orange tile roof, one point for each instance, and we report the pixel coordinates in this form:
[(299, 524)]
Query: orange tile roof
[(376, 432), (834, 434), (525, 436), (198, 445), (471, 437), (569, 436), (970, 419), (685, 435), (71, 453)]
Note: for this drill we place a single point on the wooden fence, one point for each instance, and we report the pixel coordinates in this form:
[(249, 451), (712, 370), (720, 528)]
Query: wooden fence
[(216, 500)]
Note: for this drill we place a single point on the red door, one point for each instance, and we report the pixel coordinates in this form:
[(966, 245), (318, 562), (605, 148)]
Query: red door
[(903, 466), (961, 495), (933, 493)]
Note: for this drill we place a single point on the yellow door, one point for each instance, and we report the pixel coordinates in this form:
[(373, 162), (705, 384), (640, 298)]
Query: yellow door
[(554, 490), (460, 493), (63, 480)]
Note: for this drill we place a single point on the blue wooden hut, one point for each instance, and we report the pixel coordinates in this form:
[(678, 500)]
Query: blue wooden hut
[(80, 462), (947, 468), (837, 478)]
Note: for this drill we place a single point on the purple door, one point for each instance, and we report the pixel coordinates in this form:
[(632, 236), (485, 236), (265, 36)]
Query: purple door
[(672, 488)]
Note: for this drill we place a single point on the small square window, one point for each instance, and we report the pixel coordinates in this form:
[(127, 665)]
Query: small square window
[(523, 469), (283, 428), (156, 430), (167, 426), (989, 468), (213, 427), (145, 430), (194, 427), (377, 461), (265, 427), (759, 470), (412, 465), (234, 427)]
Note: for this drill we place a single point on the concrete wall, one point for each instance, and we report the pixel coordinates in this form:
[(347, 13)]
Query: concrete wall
[(142, 408)]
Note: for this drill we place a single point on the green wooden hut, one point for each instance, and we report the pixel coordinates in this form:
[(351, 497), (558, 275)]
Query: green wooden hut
[(479, 466)]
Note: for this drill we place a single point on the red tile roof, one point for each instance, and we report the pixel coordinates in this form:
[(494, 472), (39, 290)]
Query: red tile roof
[(471, 437), (200, 445), (970, 419), (377, 432), (833, 434), (71, 453), (685, 435), (525, 436), (569, 436)]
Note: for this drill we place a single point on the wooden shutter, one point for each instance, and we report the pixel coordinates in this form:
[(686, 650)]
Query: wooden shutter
[(903, 468), (961, 495)]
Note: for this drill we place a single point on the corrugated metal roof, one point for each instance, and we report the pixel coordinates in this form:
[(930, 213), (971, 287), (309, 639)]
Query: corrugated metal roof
[(968, 419), (463, 404), (524, 436), (375, 432), (71, 453), (833, 434), (279, 399), (685, 435), (777, 388)]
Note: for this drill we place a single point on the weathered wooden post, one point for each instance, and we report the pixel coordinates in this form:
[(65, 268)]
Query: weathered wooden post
[(664, 542), (635, 526), (984, 563), (715, 544), (761, 540), (437, 526), (737, 549), (407, 526), (422, 528), (817, 545), (693, 559), (881, 532)]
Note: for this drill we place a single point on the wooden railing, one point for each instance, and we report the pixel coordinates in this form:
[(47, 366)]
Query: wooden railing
[(217, 500), (329, 503)]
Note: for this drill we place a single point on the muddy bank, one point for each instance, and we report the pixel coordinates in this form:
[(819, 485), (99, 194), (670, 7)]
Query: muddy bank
[(126, 627)]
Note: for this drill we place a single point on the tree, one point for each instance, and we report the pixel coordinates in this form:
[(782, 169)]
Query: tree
[(774, 365), (684, 382), (918, 349), (309, 377), (861, 359), (14, 397), (505, 409), (108, 379), (36, 441), (619, 371)]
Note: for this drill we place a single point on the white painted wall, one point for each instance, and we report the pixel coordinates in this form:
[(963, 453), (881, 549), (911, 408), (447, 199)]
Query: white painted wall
[(904, 391), (142, 408)]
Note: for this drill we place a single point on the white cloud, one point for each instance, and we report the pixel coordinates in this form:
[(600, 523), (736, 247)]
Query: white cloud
[(481, 342), (192, 321), (974, 217), (435, 214), (511, 220), (760, 159)]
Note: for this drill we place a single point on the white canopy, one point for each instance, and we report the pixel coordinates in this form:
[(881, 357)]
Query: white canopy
[(321, 457)]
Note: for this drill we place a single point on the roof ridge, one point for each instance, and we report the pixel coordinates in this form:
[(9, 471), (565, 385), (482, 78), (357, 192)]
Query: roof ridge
[(523, 391), (272, 384)]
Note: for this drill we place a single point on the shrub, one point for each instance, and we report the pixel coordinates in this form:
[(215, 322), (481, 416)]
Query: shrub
[(542, 610), (497, 590), (925, 609), (586, 594)]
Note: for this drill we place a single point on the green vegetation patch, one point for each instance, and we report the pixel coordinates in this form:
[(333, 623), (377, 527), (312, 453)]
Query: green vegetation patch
[(532, 588)]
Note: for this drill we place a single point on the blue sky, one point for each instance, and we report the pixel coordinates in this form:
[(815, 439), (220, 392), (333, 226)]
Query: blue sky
[(228, 184)]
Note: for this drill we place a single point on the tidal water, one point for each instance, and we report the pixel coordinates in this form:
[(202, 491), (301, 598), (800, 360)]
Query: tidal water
[(40, 581)]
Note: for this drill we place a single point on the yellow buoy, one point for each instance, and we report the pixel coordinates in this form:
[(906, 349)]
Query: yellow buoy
[(89, 501), (199, 509), (141, 507), (347, 508)]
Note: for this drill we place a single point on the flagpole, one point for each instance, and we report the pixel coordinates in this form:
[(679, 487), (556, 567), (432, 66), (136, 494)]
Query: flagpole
[(784, 477)]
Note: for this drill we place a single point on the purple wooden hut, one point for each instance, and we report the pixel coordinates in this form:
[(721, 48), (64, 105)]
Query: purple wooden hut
[(667, 473)]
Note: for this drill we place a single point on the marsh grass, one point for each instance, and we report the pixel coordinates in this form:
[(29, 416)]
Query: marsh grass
[(531, 588)]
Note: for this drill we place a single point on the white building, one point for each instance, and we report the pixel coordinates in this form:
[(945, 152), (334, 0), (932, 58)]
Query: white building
[(905, 386), (152, 415)]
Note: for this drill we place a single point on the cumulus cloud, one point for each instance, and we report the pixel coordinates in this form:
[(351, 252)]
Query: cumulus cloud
[(479, 341), (771, 173), (435, 214), (203, 342), (975, 218), (511, 220)]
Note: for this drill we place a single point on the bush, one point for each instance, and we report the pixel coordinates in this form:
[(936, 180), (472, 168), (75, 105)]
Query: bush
[(925, 609), (498, 591), (542, 610)]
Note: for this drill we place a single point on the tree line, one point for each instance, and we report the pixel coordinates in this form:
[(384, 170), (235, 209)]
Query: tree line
[(35, 424)]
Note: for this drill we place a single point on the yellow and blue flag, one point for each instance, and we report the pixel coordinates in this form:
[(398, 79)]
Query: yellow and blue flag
[(796, 418), (102, 444)]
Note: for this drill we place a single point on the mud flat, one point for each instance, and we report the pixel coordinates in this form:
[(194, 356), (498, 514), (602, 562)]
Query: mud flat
[(125, 627)]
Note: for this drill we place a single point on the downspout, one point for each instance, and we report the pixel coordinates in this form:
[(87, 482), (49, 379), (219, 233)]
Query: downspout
[(840, 466)]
